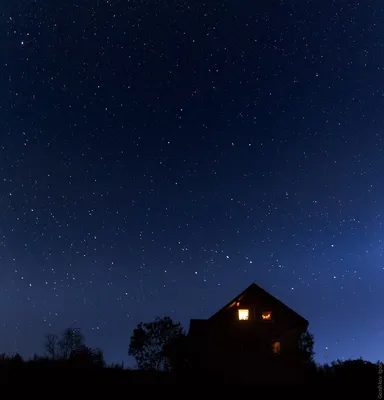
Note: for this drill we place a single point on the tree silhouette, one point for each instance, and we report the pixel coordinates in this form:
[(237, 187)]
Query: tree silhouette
[(62, 347), (51, 345), (306, 345), (153, 344), (353, 376)]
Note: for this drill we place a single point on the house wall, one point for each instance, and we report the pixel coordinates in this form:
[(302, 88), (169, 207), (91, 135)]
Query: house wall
[(256, 331), (230, 343)]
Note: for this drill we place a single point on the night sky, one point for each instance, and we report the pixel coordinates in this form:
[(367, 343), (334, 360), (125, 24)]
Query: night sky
[(157, 157)]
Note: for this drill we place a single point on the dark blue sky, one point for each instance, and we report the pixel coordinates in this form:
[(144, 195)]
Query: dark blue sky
[(156, 157)]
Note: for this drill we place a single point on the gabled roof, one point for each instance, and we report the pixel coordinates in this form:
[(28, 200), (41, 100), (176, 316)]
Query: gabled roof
[(253, 288)]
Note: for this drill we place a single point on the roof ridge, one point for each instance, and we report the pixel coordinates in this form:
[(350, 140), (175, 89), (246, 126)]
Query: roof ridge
[(254, 285)]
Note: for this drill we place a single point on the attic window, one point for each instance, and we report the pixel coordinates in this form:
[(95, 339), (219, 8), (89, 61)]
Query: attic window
[(276, 347), (243, 315), (266, 315)]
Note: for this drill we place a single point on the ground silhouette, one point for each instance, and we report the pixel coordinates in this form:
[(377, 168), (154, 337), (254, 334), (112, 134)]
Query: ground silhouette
[(68, 359)]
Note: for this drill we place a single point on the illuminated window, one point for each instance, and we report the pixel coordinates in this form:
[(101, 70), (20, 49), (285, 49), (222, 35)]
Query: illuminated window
[(243, 315), (266, 316), (276, 347)]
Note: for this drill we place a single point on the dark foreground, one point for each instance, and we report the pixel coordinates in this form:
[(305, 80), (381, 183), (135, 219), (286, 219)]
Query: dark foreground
[(351, 379)]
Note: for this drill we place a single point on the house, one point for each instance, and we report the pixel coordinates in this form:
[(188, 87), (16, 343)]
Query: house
[(254, 331)]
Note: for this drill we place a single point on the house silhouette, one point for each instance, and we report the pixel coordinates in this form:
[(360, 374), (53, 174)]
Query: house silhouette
[(255, 333)]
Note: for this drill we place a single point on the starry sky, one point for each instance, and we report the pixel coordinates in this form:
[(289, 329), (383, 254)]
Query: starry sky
[(157, 157)]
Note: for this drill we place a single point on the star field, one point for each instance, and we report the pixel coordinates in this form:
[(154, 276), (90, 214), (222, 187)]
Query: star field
[(158, 157)]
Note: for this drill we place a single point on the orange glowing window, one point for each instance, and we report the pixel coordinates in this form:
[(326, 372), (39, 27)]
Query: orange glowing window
[(276, 347), (266, 316), (243, 315)]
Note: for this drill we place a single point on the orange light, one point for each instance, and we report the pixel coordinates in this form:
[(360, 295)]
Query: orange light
[(243, 315), (276, 347), (266, 315)]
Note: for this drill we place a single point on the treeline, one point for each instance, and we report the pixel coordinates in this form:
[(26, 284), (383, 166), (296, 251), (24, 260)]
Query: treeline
[(67, 349), (161, 351)]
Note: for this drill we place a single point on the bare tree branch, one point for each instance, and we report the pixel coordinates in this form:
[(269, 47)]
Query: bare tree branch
[(51, 345)]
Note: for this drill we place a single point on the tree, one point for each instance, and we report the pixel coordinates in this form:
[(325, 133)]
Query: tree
[(71, 340), (62, 347), (51, 345), (306, 345), (152, 344)]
